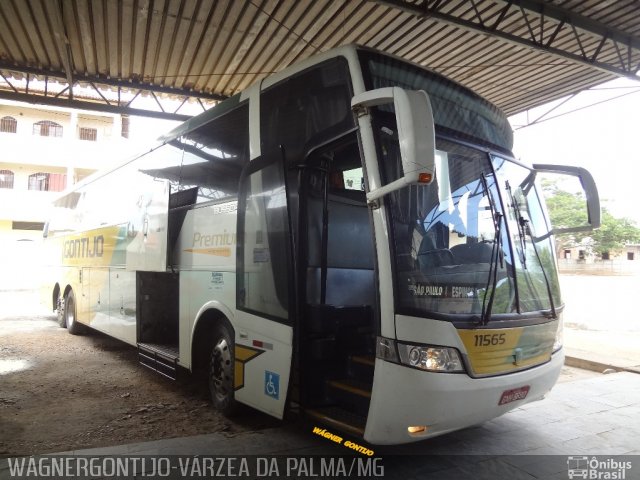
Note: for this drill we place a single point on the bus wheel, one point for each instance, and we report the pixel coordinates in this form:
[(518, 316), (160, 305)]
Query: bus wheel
[(73, 327), (60, 312), (221, 371)]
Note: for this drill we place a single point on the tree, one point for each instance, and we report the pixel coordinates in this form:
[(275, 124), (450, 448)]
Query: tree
[(614, 233), (568, 209)]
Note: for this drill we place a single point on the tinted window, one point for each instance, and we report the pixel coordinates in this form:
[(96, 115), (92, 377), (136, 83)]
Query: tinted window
[(264, 253), (214, 156), (306, 110), (455, 108)]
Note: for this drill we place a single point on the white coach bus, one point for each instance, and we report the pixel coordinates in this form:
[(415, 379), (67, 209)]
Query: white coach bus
[(350, 238)]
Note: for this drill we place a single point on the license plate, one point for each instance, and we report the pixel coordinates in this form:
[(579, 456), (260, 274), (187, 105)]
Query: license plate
[(513, 395)]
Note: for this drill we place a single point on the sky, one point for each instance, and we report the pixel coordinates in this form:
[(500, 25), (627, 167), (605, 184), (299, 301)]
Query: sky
[(603, 138)]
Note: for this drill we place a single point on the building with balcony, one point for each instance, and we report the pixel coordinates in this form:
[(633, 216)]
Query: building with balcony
[(43, 150)]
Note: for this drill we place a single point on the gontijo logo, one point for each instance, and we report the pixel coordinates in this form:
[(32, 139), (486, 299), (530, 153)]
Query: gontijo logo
[(84, 247)]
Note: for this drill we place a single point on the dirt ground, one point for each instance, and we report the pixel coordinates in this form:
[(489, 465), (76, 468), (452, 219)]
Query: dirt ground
[(61, 392)]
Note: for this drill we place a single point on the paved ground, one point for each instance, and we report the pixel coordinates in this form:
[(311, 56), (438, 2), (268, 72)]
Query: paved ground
[(602, 325), (585, 416)]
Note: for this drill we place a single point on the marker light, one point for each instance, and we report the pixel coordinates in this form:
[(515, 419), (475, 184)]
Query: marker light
[(557, 344), (386, 350), (415, 430), (425, 178)]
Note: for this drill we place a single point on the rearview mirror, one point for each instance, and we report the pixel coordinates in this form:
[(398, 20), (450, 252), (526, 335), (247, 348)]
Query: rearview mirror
[(416, 134), (590, 191)]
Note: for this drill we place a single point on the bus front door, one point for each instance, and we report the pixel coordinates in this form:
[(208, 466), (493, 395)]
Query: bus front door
[(264, 294)]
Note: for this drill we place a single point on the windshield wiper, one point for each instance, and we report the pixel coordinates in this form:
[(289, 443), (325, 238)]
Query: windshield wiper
[(496, 258), (527, 229), (521, 225), (524, 230)]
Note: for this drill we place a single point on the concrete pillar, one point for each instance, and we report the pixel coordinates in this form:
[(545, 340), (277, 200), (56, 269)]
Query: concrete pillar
[(70, 137), (116, 129)]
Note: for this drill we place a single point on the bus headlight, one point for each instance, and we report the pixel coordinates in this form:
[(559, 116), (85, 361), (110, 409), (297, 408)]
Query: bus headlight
[(424, 357), (433, 359)]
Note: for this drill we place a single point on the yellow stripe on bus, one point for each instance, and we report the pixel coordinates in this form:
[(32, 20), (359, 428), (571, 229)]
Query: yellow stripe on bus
[(501, 350), (218, 252), (93, 248), (243, 354)]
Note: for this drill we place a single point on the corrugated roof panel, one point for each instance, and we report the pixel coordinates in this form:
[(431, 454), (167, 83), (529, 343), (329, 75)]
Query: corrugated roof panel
[(223, 46), (192, 42), (126, 34), (82, 38), (100, 38), (33, 16)]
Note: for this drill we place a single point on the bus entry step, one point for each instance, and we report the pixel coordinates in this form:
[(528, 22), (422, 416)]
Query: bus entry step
[(162, 359)]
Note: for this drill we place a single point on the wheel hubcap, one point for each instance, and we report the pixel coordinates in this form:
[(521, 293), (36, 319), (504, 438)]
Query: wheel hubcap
[(70, 311), (221, 371)]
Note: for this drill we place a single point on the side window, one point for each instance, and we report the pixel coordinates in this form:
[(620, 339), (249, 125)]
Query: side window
[(306, 110), (264, 253), (214, 156)]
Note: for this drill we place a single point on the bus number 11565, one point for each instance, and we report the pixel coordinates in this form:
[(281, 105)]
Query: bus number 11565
[(489, 339)]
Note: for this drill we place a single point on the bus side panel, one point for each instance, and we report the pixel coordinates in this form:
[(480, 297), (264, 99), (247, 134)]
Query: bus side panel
[(121, 321), (263, 362), (95, 295), (205, 253), (147, 250), (202, 291), (207, 240)]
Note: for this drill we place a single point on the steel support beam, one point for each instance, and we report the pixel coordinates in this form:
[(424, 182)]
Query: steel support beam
[(626, 46), (13, 89), (93, 106), (131, 85)]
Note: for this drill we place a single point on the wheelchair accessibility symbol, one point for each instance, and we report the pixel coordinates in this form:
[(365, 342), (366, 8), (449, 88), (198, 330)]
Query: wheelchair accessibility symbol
[(272, 384)]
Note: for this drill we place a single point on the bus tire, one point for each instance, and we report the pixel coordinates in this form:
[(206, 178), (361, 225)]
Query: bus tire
[(60, 312), (70, 319), (221, 371)]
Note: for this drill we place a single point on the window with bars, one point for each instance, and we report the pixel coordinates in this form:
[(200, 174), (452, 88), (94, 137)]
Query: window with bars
[(39, 181), (48, 182), (47, 128), (6, 179), (8, 125), (90, 134)]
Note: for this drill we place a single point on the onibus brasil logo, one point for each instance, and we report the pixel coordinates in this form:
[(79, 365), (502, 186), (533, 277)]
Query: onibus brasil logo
[(594, 468)]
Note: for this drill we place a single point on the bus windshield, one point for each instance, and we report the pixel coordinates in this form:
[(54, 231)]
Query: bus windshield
[(475, 242)]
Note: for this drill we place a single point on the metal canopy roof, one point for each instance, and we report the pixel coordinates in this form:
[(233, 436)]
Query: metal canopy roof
[(517, 53)]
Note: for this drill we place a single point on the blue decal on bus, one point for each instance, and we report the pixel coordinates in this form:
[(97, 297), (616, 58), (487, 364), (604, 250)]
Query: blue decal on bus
[(272, 384)]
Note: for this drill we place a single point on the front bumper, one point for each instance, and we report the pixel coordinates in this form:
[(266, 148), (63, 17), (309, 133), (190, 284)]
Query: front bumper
[(404, 396)]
